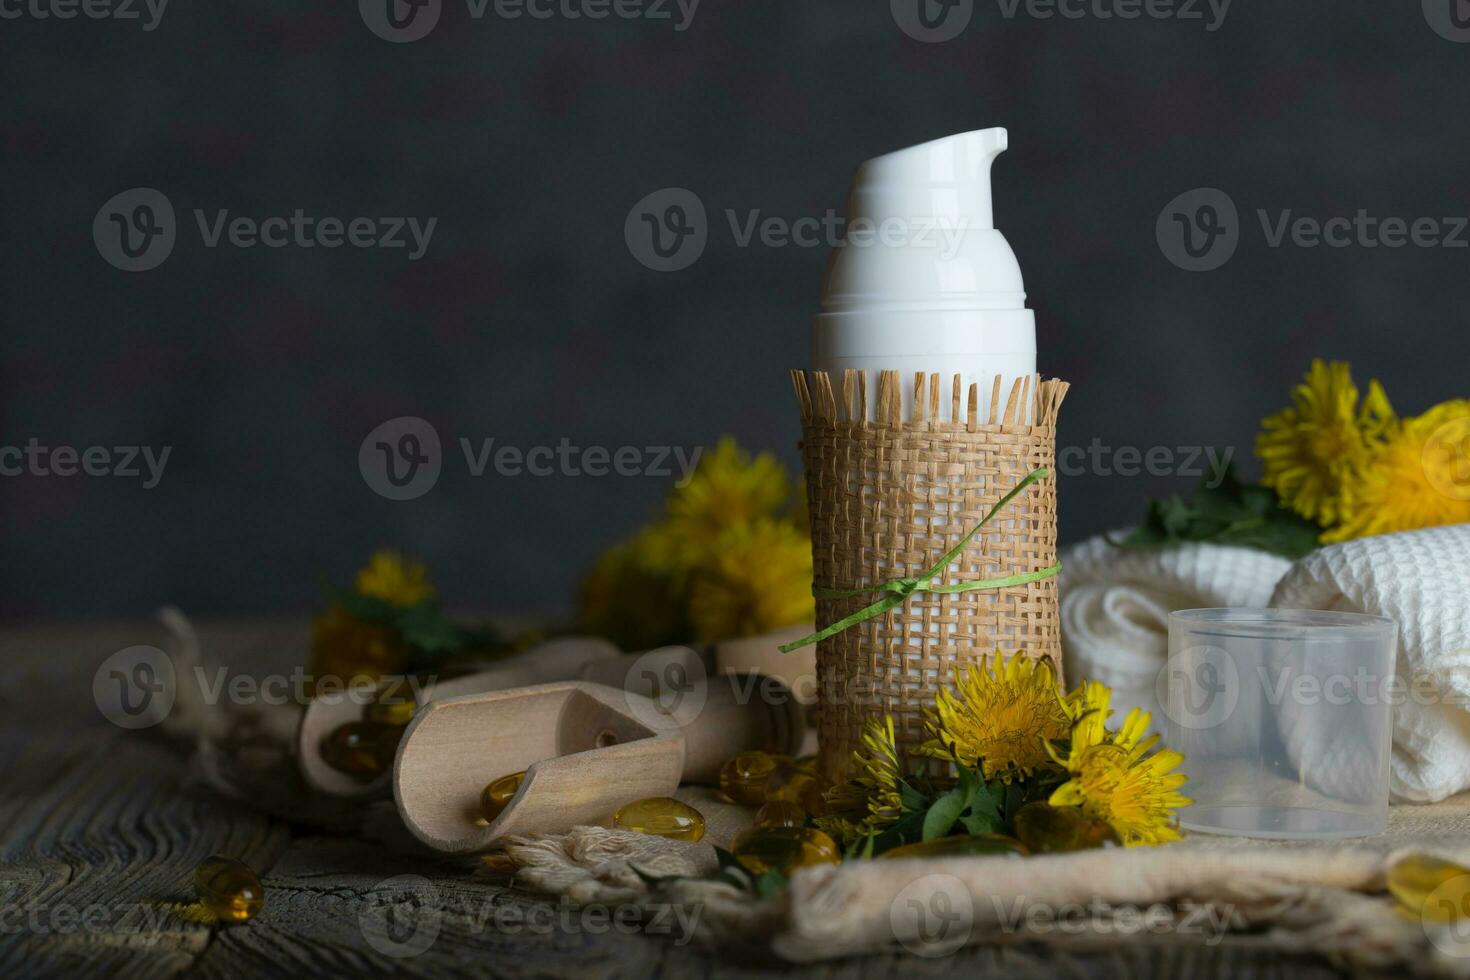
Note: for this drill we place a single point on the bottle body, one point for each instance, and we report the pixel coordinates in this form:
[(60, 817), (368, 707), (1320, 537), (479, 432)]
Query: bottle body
[(978, 345)]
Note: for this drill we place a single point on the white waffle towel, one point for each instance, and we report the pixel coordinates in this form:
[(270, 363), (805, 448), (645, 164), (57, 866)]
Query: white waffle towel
[(1420, 579)]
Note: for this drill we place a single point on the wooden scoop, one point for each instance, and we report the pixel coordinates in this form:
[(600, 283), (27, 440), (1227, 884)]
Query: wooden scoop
[(555, 660), (586, 749)]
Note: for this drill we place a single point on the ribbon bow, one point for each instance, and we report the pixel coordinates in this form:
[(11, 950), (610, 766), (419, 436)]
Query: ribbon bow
[(901, 588)]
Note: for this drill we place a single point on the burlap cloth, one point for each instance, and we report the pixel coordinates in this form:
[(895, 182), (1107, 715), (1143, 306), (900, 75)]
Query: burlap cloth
[(1296, 897)]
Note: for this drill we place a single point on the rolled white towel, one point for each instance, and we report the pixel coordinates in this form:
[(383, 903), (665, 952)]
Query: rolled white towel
[(1115, 606), (1421, 579)]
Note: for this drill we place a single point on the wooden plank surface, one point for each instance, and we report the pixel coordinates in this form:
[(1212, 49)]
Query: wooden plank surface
[(101, 829)]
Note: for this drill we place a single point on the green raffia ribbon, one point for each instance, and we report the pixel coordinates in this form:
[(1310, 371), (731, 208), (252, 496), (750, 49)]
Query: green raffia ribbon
[(901, 588)]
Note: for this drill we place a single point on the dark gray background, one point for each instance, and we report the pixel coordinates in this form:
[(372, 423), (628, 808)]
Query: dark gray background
[(529, 320)]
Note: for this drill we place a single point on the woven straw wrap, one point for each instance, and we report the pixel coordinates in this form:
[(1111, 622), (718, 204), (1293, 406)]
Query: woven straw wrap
[(888, 497)]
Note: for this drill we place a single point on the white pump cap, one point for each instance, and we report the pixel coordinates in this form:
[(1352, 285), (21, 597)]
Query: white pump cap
[(924, 281)]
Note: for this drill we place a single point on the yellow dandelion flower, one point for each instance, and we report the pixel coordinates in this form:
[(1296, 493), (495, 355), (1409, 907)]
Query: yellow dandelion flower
[(397, 580), (1000, 719), (1132, 792), (728, 487), (1312, 451), (757, 578), (348, 649), (1420, 477), (1089, 707), (870, 800), (631, 598)]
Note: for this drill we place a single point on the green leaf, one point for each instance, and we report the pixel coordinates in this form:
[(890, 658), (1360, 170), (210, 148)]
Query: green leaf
[(985, 804), (987, 822), (770, 883), (1225, 512), (725, 859), (911, 798), (943, 814), (908, 829)]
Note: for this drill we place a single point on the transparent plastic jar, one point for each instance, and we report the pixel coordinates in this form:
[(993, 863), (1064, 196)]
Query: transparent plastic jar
[(1284, 718)]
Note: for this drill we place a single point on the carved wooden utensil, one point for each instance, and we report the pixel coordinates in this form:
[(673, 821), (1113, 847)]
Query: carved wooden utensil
[(559, 659), (586, 749)]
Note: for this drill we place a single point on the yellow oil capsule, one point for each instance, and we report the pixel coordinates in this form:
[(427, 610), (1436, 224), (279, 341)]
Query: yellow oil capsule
[(228, 889), (497, 795), (1431, 889), (363, 749), (783, 849), (959, 845), (394, 704), (780, 813), (661, 816), (1046, 829), (744, 778), (789, 783)]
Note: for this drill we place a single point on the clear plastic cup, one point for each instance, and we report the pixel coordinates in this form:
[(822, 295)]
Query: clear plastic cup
[(1284, 718)]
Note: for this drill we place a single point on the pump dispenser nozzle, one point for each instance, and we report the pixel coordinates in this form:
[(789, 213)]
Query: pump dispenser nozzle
[(924, 281)]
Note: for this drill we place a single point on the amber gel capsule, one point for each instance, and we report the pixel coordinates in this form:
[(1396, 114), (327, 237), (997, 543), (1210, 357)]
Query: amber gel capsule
[(780, 813), (228, 889), (1430, 888), (662, 816), (497, 795), (362, 748), (783, 849), (746, 778)]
